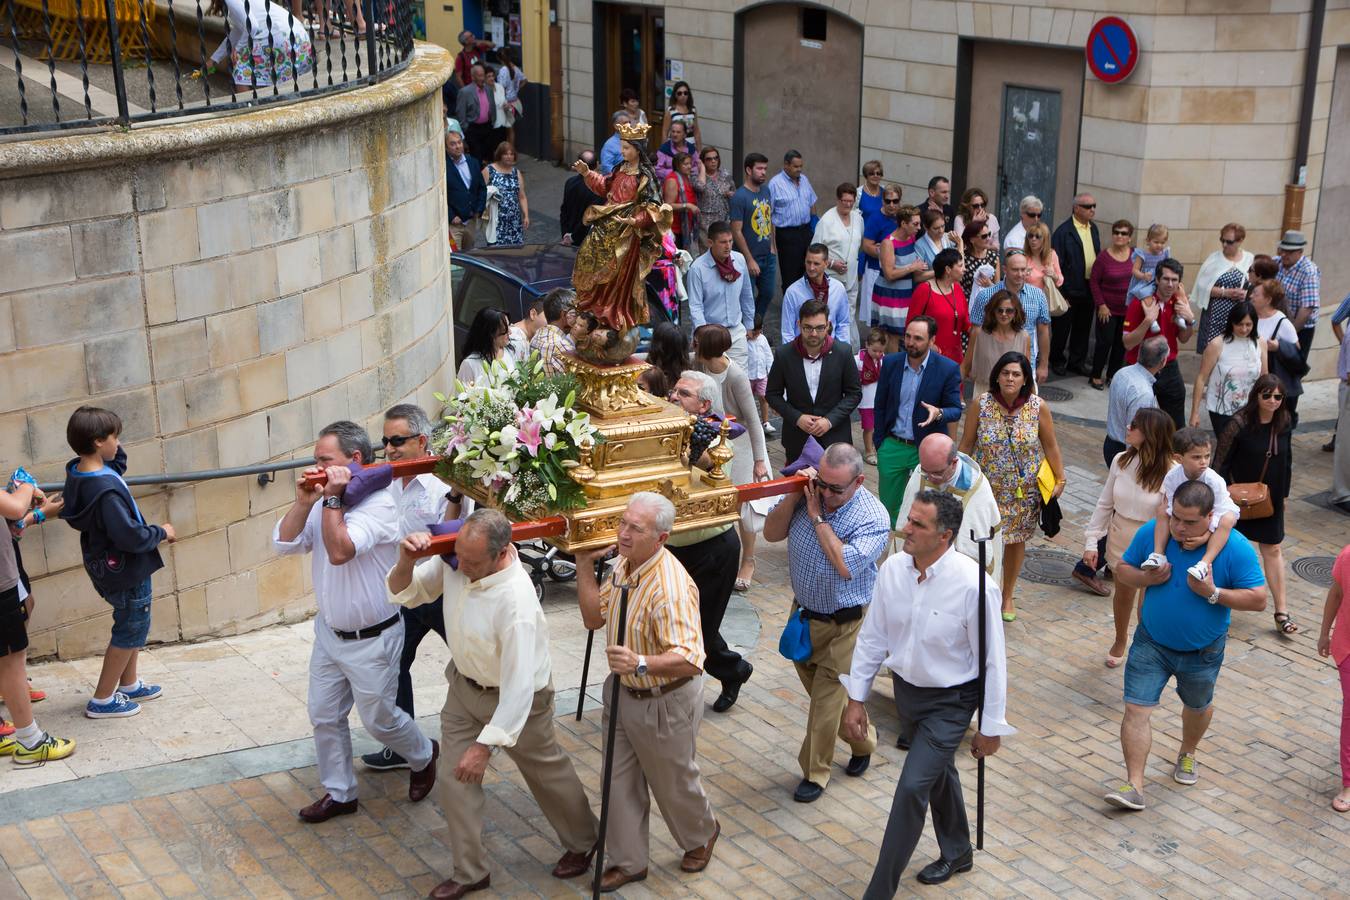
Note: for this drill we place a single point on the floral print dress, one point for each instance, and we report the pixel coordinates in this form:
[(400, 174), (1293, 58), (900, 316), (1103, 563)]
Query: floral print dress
[(1008, 449), (510, 222)]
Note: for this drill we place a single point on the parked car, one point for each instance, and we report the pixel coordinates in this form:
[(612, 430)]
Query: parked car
[(511, 278)]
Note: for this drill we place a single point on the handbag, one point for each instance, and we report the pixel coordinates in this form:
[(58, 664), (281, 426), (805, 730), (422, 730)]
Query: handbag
[(1058, 305), (795, 642), (1253, 497)]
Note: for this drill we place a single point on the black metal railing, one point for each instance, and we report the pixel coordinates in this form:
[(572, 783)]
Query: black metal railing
[(82, 63)]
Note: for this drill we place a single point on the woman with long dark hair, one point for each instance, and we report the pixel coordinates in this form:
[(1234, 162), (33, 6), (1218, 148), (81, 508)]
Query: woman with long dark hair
[(1128, 500), (487, 342), (682, 110), (625, 238), (1009, 431), (1229, 367), (668, 356), (1256, 447)]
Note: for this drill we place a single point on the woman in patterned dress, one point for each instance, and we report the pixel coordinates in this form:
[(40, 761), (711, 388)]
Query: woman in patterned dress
[(263, 50), (513, 210), (1009, 431), (901, 268)]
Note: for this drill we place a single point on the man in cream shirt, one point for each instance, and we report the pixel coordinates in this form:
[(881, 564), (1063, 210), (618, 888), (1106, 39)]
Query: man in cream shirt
[(500, 694)]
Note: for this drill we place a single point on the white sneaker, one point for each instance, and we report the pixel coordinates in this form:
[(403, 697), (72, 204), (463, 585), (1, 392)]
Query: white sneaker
[(1154, 561), (1198, 571), (769, 429)]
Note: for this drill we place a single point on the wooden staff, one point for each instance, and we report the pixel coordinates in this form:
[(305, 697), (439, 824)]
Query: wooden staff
[(979, 714), (615, 692)]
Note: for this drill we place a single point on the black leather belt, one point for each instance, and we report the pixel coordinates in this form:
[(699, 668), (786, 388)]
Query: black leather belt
[(370, 632), (839, 617), (647, 693), (475, 685)]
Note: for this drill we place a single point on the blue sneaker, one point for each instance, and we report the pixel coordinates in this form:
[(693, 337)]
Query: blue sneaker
[(142, 693), (119, 708)]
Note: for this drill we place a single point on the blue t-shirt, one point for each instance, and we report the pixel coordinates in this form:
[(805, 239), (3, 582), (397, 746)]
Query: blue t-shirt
[(1176, 616), (876, 227), (753, 210)]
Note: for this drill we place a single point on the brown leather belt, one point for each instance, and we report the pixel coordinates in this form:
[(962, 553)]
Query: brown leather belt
[(647, 693), (474, 684)]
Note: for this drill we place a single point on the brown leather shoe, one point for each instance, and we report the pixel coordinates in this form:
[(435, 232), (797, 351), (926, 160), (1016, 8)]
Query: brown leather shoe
[(453, 890), (420, 783), (326, 808), (697, 860), (615, 879), (573, 864)]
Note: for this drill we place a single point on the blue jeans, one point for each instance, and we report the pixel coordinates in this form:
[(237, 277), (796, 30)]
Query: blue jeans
[(1150, 665), (765, 284), (131, 616)]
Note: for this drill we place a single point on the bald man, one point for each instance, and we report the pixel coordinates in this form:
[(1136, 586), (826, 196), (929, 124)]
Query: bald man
[(943, 468)]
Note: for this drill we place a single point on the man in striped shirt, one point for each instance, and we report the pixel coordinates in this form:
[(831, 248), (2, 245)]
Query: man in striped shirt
[(659, 663)]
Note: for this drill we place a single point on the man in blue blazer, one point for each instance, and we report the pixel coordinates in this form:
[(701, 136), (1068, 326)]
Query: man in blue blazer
[(918, 393), (465, 192)]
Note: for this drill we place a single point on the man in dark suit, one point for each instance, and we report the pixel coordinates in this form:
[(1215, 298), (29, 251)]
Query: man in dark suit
[(918, 393), (577, 198), (1077, 242), (474, 110), (813, 384), (466, 194)]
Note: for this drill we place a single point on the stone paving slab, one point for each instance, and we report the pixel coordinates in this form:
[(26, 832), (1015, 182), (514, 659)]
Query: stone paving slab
[(208, 822)]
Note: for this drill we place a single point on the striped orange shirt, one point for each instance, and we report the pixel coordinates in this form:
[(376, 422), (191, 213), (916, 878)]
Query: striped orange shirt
[(662, 613)]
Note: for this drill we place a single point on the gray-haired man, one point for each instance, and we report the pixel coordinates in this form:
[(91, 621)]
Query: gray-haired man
[(358, 638)]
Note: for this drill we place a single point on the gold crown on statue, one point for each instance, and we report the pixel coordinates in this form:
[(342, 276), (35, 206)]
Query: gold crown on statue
[(633, 131)]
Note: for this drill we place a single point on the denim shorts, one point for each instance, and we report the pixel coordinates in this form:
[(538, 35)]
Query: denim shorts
[(1150, 664), (131, 616)]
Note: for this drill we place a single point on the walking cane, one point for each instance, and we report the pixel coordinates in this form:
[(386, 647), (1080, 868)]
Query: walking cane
[(979, 714), (615, 691), (585, 670)]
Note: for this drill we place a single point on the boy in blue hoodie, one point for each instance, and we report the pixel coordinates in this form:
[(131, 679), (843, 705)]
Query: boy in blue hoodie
[(120, 554)]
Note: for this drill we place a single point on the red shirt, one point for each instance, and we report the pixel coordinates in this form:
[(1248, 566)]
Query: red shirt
[(950, 311), (1167, 321)]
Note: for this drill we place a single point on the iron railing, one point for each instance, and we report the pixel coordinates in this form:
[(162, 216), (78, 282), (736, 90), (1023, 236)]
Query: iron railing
[(83, 63)]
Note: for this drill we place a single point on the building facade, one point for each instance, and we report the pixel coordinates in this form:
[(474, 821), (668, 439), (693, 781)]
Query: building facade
[(1214, 125)]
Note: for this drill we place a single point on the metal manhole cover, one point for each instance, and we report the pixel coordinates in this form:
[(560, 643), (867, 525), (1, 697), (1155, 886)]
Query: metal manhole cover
[(1054, 394), (1314, 569), (1049, 567)]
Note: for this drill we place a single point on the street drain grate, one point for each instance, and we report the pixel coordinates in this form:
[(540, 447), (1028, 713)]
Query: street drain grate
[(1314, 569), (1049, 567), (1054, 394)]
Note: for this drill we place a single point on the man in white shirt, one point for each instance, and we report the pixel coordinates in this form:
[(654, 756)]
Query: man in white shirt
[(500, 694), (1031, 208), (357, 641), (420, 501), (721, 291), (816, 285), (923, 624)]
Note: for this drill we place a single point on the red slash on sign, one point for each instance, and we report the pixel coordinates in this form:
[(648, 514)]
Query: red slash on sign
[(1112, 50)]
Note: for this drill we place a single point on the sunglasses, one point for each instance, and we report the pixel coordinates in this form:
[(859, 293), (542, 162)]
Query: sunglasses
[(1087, 206), (1271, 395), (1228, 242), (1034, 215), (832, 488), (1004, 311), (984, 236), (1120, 232), (708, 156), (977, 206), (398, 440), (891, 200)]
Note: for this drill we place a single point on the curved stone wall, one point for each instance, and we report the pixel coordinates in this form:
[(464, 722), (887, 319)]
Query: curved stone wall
[(228, 286)]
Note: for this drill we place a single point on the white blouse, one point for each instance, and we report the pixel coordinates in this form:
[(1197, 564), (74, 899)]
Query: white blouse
[(255, 25)]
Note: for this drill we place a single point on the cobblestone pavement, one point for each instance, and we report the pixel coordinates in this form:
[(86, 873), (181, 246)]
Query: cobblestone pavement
[(197, 795)]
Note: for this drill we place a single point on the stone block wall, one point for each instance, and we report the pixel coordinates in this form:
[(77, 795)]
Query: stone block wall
[(227, 287)]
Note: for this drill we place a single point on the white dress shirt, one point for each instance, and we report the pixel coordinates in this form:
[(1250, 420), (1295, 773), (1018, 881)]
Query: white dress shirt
[(811, 369), (927, 633), (420, 503), (497, 633), (350, 596)]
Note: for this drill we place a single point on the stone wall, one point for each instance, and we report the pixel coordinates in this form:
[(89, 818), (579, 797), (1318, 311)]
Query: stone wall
[(1202, 133), (228, 287)]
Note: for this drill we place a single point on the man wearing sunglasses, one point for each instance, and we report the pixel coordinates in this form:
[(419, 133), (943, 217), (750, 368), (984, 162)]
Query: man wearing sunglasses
[(1031, 209), (1077, 243), (836, 531), (421, 501)]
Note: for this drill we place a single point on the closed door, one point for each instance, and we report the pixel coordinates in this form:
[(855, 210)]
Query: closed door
[(1028, 146)]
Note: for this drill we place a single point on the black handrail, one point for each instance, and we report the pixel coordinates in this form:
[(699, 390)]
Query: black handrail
[(123, 52), (261, 470)]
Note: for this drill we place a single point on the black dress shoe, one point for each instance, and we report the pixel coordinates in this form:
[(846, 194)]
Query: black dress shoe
[(807, 792), (731, 691), (858, 765), (942, 869)]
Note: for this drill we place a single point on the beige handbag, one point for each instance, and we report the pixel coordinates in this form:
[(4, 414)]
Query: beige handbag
[(1058, 305)]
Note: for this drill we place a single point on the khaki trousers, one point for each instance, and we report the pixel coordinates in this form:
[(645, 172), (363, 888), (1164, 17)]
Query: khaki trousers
[(654, 747), (465, 235), (831, 654), (547, 771)]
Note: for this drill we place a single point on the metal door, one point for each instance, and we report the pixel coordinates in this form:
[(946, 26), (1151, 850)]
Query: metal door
[(1028, 149)]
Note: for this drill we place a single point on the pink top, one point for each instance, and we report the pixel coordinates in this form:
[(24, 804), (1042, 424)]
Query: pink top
[(1340, 632)]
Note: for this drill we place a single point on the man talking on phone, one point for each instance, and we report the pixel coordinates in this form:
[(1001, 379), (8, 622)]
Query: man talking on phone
[(836, 532)]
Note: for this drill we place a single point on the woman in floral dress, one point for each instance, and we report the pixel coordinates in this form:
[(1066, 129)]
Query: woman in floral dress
[(1009, 431), (513, 210)]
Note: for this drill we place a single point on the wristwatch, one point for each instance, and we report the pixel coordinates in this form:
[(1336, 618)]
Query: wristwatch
[(641, 667), (1214, 597), (332, 503), (819, 520)]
